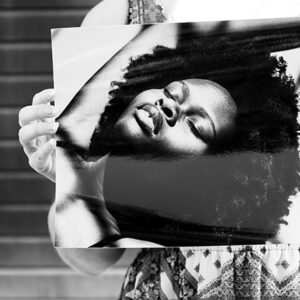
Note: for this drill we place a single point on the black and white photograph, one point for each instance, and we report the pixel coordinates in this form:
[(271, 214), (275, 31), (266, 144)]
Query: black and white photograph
[(140, 199), (185, 135)]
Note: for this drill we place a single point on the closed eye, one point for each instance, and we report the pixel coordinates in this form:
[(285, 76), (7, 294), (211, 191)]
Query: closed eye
[(168, 94), (202, 125), (194, 129), (177, 90)]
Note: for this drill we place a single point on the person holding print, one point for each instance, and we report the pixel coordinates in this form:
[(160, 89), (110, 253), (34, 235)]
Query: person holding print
[(128, 117)]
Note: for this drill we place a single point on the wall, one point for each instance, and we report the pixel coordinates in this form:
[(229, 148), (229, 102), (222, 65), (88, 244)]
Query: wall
[(29, 266)]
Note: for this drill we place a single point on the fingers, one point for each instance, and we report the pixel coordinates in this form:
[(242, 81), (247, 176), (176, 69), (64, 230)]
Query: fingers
[(30, 114), (38, 160), (37, 126), (40, 108), (43, 97), (29, 133)]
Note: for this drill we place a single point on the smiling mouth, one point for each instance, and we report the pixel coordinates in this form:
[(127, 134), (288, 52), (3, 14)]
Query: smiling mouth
[(149, 119)]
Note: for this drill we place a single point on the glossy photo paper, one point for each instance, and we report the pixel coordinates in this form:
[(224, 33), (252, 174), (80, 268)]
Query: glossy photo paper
[(177, 134)]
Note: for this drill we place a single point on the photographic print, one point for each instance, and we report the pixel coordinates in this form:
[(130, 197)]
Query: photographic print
[(177, 134)]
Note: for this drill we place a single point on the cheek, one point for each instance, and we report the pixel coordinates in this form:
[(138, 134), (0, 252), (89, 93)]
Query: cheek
[(127, 127), (179, 139)]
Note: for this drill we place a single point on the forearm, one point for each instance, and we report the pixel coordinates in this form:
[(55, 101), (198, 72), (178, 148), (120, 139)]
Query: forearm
[(88, 261), (82, 221)]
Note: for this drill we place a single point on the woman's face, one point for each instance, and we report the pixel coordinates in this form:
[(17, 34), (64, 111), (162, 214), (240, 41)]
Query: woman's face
[(186, 117)]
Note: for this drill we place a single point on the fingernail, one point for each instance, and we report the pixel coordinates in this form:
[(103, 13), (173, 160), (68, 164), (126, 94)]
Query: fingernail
[(52, 143), (54, 126), (54, 111), (51, 93)]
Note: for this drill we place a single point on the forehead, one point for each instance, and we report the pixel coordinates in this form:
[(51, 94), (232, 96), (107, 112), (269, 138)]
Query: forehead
[(206, 91), (215, 100)]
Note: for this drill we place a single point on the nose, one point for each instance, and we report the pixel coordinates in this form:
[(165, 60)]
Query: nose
[(170, 108)]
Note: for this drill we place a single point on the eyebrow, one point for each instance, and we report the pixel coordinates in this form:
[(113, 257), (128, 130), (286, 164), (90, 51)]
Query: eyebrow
[(201, 110)]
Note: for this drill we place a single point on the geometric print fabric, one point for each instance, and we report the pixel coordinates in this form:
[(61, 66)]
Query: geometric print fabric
[(226, 272), (234, 272)]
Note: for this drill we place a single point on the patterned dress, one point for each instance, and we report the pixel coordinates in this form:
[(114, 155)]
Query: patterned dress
[(233, 272), (146, 12)]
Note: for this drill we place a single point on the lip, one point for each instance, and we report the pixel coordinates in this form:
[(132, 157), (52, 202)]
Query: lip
[(149, 118)]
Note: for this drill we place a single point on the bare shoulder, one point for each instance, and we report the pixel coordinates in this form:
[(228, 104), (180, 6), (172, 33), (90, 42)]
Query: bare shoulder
[(108, 12)]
